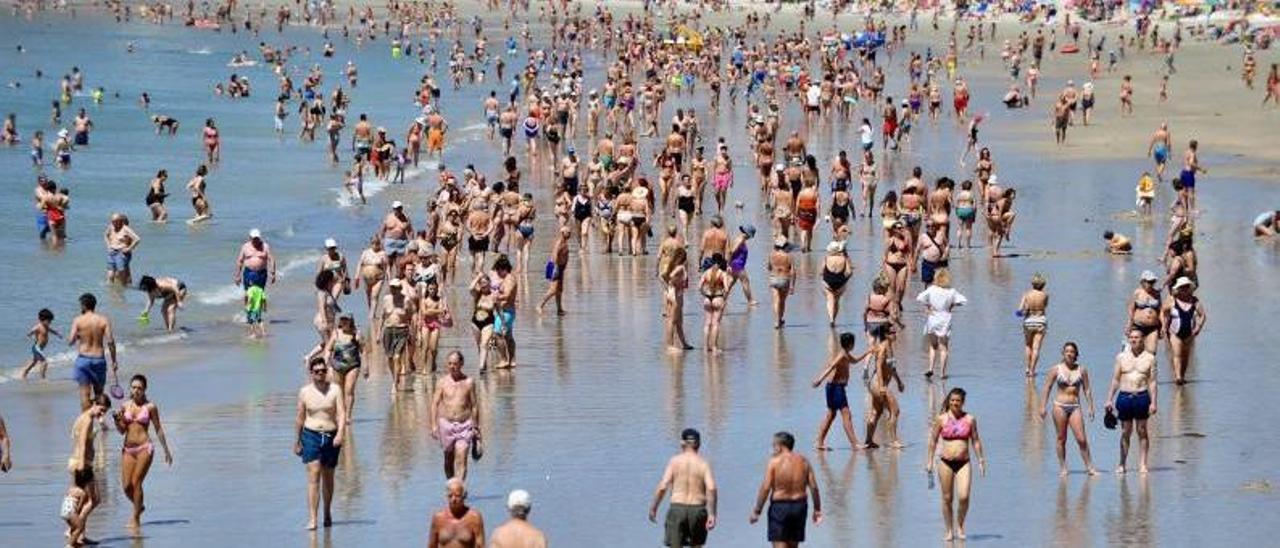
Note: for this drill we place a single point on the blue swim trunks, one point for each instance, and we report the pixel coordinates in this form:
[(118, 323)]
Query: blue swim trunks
[(118, 261), (254, 277), (395, 247), (91, 371), (319, 446), (1161, 154), (503, 321), (1188, 178), (42, 224), (837, 398)]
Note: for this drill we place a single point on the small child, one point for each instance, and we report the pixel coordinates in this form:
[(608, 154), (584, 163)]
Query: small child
[(72, 506), (1146, 190), (39, 334), (1117, 244), (255, 305), (837, 398), (401, 159), (354, 185)]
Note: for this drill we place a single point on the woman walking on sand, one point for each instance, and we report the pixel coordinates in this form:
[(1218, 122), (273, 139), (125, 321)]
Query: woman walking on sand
[(134, 420)]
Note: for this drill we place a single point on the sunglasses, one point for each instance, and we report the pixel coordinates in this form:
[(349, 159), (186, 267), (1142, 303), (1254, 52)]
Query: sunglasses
[(319, 371)]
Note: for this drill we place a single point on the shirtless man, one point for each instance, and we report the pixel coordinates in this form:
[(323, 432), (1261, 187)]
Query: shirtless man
[(505, 308), (714, 240), (693, 495), (395, 231), (517, 532), (785, 481), (1158, 148), (457, 525), (1191, 166), (436, 129), (507, 128), (490, 108), (480, 229), (397, 316), (82, 460), (1132, 396), (255, 265), (455, 417), (121, 241), (362, 137), (320, 425), (559, 260), (91, 333)]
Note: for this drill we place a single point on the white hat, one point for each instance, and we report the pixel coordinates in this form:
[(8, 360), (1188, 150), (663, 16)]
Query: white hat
[(1182, 282), (993, 179), (62, 132), (780, 242), (396, 205), (835, 246), (255, 234), (1149, 276), (519, 499), (330, 243)]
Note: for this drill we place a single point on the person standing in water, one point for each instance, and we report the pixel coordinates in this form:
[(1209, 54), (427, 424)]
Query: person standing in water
[(6, 463), (136, 417), (255, 265), (939, 300), (321, 426), (39, 335), (692, 512), (1132, 396), (786, 479), (555, 270), (837, 370), (958, 431), (455, 417), (1072, 380), (1158, 148), (91, 333), (1191, 166), (121, 241), (1034, 324), (457, 525), (1181, 318), (518, 532)]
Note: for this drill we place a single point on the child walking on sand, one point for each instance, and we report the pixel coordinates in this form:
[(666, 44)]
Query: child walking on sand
[(39, 335), (255, 305), (837, 399)]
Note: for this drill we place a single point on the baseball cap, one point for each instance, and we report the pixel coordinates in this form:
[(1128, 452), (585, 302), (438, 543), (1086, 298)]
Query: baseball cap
[(255, 234), (519, 499), (330, 243), (396, 205)]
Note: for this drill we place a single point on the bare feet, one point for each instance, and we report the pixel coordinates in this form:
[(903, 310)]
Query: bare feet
[(328, 521), (821, 448), (948, 537), (1120, 470), (870, 445), (897, 444), (959, 533), (1142, 469), (311, 525), (1062, 473), (1093, 471)]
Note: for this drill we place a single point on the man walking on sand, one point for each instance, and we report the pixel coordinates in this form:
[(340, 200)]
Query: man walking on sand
[(693, 495)]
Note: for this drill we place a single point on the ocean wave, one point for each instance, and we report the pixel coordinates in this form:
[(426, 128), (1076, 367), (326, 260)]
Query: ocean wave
[(67, 358), (201, 51)]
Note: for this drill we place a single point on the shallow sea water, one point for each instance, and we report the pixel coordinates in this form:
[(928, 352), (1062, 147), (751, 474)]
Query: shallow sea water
[(591, 416)]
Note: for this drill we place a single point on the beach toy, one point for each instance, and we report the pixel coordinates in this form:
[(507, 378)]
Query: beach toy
[(395, 52), (1017, 313), (116, 391), (144, 319), (1069, 48)]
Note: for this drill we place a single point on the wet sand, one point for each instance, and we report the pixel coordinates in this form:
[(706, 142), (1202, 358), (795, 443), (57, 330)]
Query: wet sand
[(590, 417)]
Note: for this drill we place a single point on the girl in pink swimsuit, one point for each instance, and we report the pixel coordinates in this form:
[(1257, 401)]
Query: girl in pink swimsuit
[(134, 420)]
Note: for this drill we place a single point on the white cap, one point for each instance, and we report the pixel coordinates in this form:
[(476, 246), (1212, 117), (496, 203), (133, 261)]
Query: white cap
[(255, 233), (519, 499), (396, 205), (330, 243), (1184, 281), (1148, 276)]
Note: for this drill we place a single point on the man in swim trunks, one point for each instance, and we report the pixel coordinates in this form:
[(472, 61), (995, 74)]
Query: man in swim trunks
[(505, 286), (255, 265), (395, 231), (91, 333), (455, 417), (785, 481), (491, 112), (693, 495), (1159, 147), (397, 316), (121, 241), (1191, 165), (1132, 396), (555, 271)]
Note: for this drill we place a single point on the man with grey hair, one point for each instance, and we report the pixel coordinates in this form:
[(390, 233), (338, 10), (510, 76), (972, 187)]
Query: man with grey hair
[(457, 525), (518, 532)]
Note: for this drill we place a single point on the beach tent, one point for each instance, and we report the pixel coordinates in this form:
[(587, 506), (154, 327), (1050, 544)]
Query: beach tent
[(691, 38)]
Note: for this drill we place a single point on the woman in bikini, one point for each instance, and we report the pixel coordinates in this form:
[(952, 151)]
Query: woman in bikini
[(675, 280), (343, 352), (714, 286), (1072, 380), (896, 253), (156, 195), (836, 271), (435, 317), (327, 308), (449, 233), (958, 432), (889, 213), (1034, 324), (1144, 311), (868, 175), (984, 169), (1181, 319), (134, 419)]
